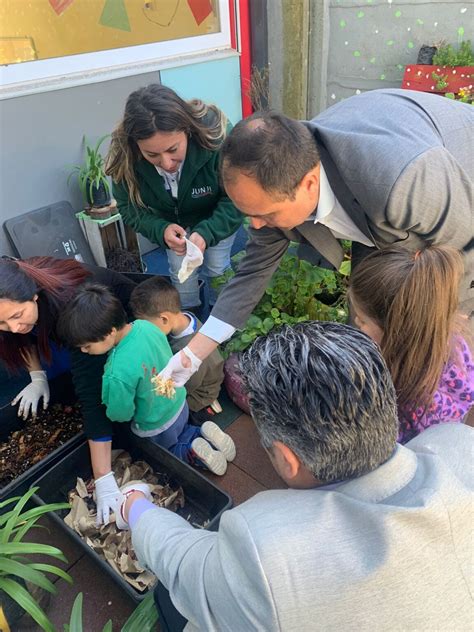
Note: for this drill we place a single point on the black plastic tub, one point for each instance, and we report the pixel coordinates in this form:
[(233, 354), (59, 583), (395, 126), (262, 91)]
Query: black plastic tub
[(203, 500), (22, 483)]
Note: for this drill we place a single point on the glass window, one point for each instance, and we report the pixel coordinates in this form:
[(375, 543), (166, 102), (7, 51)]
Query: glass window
[(84, 35)]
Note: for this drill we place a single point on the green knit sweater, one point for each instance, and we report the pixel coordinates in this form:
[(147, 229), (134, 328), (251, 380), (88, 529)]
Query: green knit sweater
[(127, 391)]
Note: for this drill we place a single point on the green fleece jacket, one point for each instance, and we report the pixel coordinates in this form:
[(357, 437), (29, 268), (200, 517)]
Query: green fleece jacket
[(127, 391), (202, 204)]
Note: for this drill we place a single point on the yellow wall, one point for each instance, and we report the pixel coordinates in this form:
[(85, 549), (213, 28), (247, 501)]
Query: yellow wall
[(40, 29)]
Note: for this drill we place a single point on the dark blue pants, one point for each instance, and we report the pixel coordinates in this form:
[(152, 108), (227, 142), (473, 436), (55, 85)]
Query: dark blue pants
[(178, 437)]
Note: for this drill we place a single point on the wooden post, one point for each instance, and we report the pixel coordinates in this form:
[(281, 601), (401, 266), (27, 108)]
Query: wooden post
[(105, 235)]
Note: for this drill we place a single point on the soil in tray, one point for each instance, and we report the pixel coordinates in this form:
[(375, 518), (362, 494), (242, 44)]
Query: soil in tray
[(39, 437)]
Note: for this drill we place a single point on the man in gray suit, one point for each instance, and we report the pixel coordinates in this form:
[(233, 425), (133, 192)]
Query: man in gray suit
[(371, 535), (383, 167)]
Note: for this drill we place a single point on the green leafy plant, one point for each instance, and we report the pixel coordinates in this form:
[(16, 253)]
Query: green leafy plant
[(465, 95), (446, 55), (297, 292), (15, 566), (441, 81), (142, 619), (91, 174), (75, 621)]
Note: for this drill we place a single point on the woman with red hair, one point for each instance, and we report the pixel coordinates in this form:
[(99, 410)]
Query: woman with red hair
[(32, 295)]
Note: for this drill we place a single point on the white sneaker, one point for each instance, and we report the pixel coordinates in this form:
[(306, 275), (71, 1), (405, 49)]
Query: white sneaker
[(215, 406), (219, 439), (126, 490), (213, 459)]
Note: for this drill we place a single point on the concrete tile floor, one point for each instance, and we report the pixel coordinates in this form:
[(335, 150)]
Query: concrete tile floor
[(250, 473)]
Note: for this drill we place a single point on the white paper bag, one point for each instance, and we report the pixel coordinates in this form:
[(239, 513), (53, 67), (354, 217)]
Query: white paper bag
[(192, 260)]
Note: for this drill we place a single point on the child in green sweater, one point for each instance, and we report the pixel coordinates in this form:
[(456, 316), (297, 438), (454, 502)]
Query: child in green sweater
[(96, 322), (158, 302)]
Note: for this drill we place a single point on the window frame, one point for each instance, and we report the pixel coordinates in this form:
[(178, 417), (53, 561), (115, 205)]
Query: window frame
[(114, 63)]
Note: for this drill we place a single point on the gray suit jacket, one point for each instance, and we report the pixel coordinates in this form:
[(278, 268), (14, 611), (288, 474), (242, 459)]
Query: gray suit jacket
[(391, 550), (401, 163)]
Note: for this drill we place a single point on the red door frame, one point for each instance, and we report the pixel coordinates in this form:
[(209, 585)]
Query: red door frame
[(240, 41)]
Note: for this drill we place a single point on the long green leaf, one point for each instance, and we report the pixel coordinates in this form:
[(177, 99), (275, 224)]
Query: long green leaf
[(23, 529), (5, 533), (75, 622), (24, 548), (108, 627), (54, 570), (26, 601), (12, 567), (37, 512), (99, 143), (143, 618), (8, 501)]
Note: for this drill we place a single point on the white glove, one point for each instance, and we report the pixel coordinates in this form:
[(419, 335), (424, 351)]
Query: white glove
[(175, 369), (107, 497), (29, 397), (192, 260)]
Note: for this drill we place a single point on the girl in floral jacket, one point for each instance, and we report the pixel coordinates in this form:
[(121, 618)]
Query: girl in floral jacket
[(407, 302)]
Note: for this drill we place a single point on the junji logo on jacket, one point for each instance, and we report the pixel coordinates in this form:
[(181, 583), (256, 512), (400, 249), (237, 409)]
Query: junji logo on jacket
[(198, 192)]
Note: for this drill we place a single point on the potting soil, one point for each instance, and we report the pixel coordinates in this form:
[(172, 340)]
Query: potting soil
[(107, 541), (39, 437)]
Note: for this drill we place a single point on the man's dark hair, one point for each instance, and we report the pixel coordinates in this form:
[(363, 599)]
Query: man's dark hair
[(90, 316), (324, 390), (274, 150), (154, 296)]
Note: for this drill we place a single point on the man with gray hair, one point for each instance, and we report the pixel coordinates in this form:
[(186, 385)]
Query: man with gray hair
[(371, 535)]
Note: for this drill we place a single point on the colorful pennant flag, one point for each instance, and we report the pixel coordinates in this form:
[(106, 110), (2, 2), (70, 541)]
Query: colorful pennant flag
[(60, 6), (200, 9), (114, 15)]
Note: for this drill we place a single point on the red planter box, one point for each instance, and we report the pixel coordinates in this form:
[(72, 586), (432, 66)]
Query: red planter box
[(420, 77)]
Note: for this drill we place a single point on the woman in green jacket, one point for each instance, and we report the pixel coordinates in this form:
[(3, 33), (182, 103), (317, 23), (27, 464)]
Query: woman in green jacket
[(164, 162)]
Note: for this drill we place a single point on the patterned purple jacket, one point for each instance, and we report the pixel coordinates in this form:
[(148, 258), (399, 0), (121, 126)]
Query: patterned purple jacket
[(451, 402)]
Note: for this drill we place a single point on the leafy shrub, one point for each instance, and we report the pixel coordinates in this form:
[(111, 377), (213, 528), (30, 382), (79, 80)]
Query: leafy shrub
[(448, 56), (297, 292)]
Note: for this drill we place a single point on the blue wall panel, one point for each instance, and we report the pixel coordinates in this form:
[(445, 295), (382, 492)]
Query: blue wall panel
[(216, 81)]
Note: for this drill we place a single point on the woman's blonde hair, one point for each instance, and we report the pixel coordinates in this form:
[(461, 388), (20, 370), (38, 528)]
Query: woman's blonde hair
[(156, 108), (413, 297)]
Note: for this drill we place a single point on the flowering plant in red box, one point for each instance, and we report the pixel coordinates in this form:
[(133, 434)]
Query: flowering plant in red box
[(451, 72)]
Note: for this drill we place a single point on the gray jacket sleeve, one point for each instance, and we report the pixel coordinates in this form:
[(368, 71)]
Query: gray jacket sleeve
[(264, 252), (437, 195), (215, 580)]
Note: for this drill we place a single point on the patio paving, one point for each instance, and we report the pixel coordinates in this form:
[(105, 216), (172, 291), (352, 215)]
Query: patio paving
[(250, 473)]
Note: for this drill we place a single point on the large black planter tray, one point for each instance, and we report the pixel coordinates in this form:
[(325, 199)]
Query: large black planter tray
[(203, 500), (22, 483)]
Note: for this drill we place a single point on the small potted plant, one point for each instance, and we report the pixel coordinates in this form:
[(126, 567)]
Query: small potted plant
[(95, 187), (449, 71)]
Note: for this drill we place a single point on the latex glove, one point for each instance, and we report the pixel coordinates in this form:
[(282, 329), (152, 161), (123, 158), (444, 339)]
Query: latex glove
[(29, 397), (192, 260), (107, 497), (181, 366)]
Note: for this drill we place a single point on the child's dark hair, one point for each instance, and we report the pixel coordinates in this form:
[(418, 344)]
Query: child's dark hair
[(153, 297), (91, 316)]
